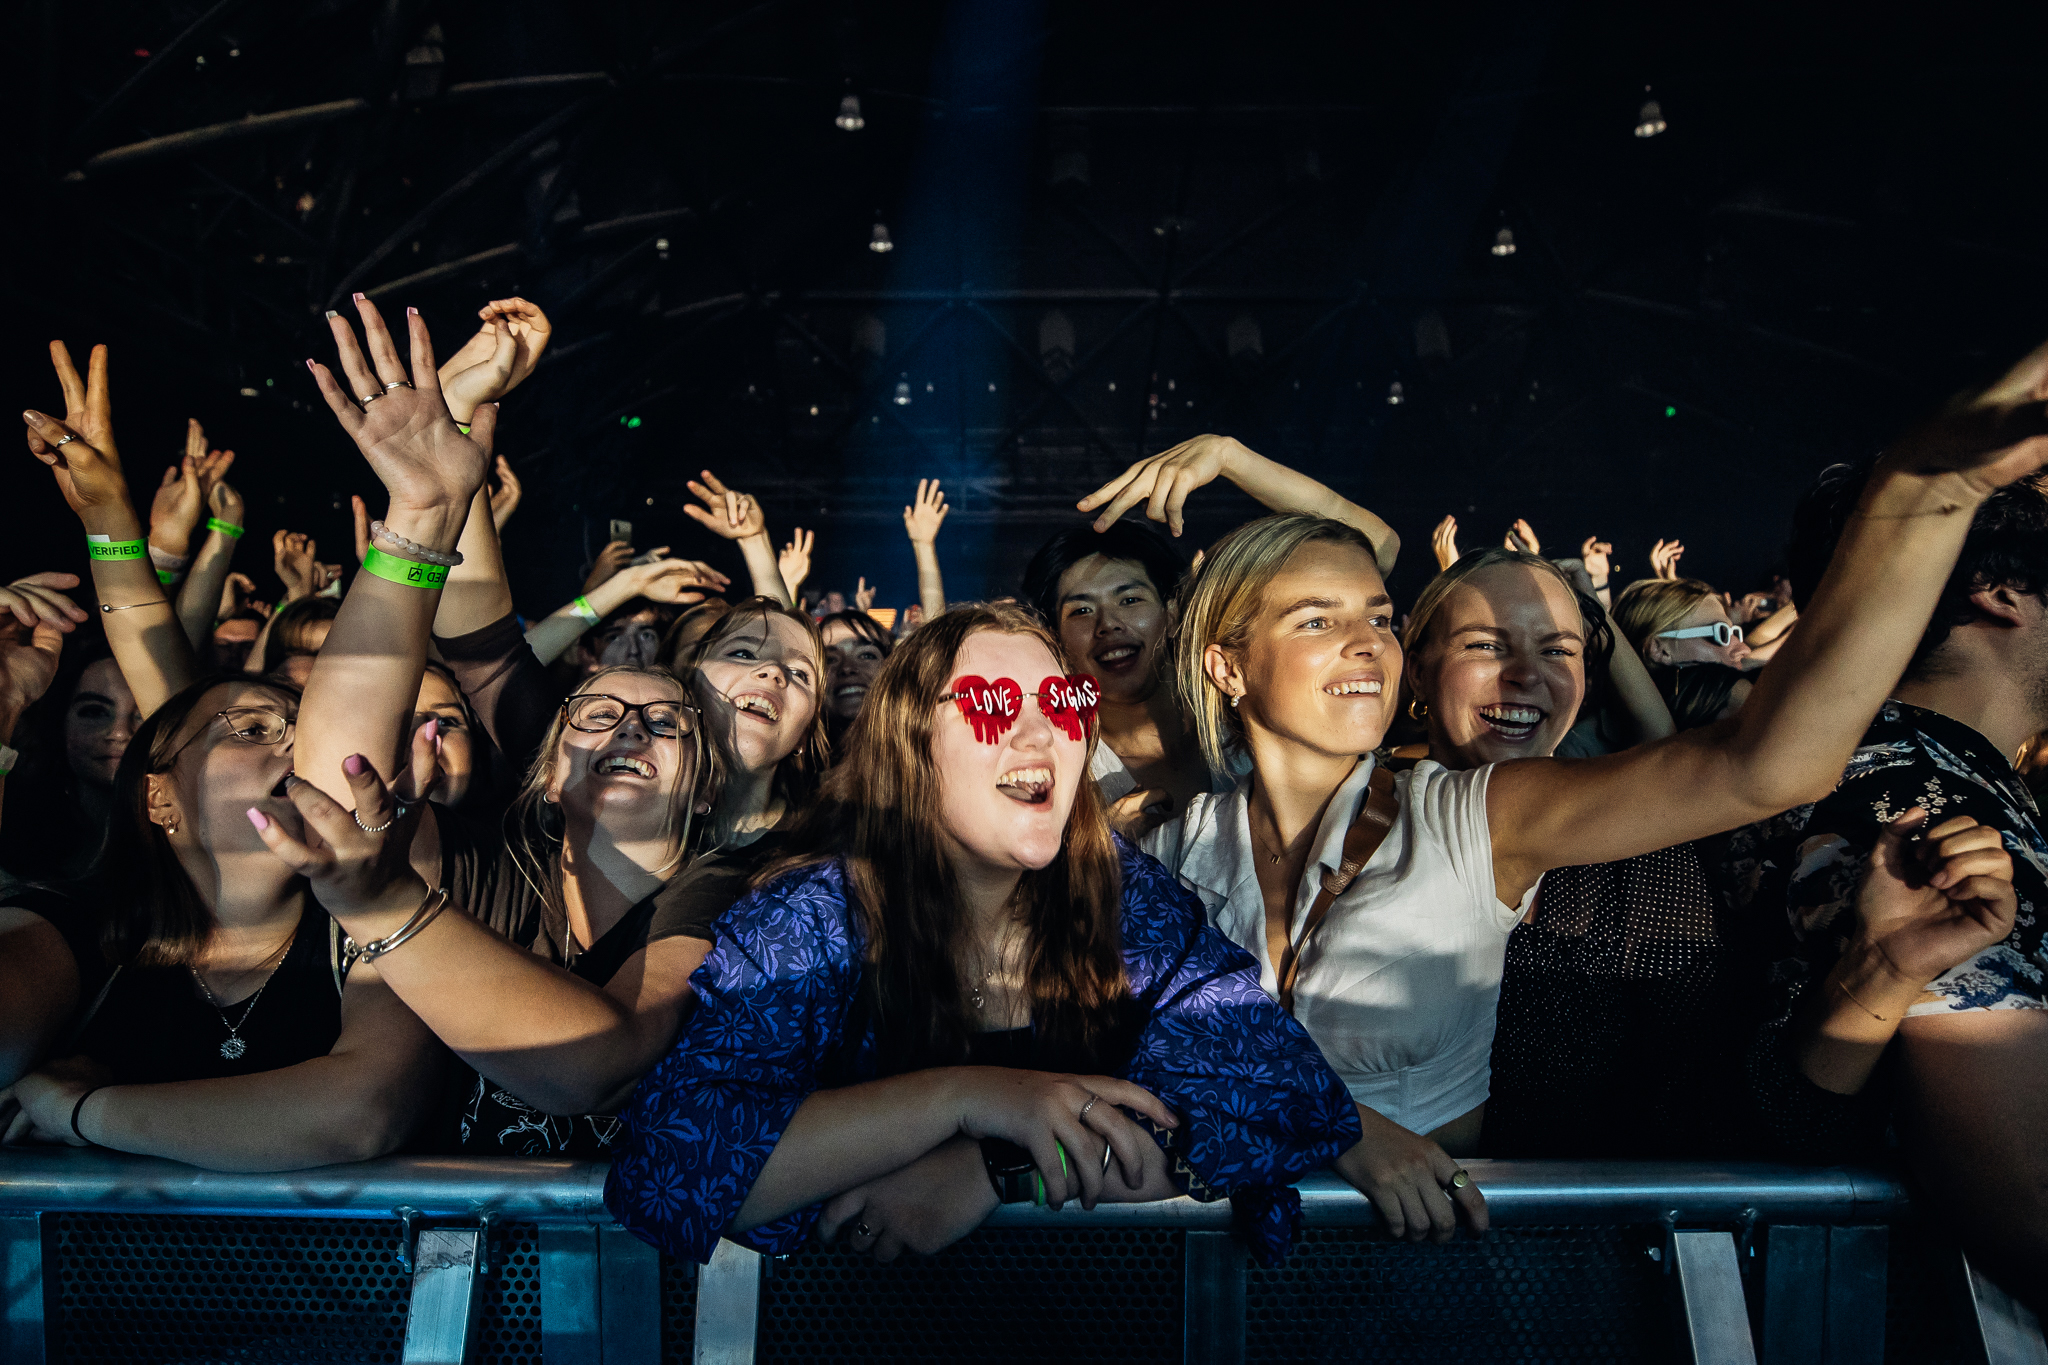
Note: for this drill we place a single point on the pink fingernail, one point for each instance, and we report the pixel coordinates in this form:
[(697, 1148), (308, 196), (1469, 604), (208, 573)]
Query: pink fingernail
[(412, 312), (357, 296), (355, 765), (257, 818), (309, 366)]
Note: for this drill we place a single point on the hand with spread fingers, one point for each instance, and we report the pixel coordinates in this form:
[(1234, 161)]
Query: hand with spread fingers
[(1664, 556), (37, 601), (1522, 536), (1444, 542), (1163, 482), (398, 419), (923, 519), (498, 358), (675, 581), (80, 449), (734, 516)]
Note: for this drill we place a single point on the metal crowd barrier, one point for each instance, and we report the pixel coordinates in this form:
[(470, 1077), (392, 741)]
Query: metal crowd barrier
[(105, 1257)]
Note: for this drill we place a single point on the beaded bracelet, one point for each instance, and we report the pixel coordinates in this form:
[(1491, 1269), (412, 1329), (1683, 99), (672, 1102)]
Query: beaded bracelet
[(412, 549)]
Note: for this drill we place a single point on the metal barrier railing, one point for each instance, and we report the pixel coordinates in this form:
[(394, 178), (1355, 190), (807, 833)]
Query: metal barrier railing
[(1820, 1295)]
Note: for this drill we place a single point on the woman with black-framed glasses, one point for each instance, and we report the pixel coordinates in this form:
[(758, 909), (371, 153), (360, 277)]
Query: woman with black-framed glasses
[(565, 974)]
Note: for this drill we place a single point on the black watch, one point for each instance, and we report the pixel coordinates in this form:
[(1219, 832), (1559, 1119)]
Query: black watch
[(1009, 1169)]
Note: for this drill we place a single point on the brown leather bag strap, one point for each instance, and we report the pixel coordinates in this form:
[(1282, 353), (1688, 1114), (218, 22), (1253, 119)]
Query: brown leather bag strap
[(1361, 841)]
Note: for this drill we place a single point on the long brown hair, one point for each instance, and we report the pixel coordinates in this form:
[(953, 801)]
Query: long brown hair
[(796, 777), (881, 813)]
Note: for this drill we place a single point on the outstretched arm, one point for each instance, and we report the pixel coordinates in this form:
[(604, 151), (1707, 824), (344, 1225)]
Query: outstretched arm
[(1164, 481), (738, 517), (142, 630), (680, 581), (1811, 706), (200, 598), (921, 522), (359, 699)]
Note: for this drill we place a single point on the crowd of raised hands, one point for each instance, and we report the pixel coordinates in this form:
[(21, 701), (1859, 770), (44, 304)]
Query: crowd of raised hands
[(917, 908)]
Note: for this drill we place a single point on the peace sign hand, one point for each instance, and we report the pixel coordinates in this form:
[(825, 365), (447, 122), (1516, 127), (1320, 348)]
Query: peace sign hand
[(402, 425), (88, 466)]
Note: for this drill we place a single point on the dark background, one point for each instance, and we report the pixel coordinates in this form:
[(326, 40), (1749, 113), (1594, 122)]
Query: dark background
[(1116, 226)]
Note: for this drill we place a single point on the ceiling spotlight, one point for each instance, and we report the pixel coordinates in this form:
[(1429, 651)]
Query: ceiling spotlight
[(880, 243), (1395, 398), (902, 393), (248, 393), (849, 114), (1650, 118), (1504, 242)]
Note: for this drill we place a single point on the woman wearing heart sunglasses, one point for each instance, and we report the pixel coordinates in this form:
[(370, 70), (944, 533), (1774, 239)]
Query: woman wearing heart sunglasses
[(959, 989)]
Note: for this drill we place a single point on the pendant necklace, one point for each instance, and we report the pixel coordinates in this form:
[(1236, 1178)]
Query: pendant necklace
[(233, 1047)]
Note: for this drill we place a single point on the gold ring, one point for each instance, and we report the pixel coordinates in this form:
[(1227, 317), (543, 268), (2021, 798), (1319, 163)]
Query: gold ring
[(1460, 1178)]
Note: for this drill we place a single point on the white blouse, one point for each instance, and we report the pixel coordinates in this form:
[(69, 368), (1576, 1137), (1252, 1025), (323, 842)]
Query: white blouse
[(1401, 985)]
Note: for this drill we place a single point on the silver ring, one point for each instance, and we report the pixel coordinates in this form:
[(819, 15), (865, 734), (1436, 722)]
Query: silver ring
[(367, 399), (863, 1230), (66, 439), (397, 814), (1105, 1158), (397, 384), (1083, 1115)]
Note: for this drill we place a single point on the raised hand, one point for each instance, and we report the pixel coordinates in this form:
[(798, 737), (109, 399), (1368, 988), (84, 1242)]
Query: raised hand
[(235, 594), (1598, 557), (863, 596), (1522, 536), (1932, 906), (225, 503), (34, 618), (292, 554), (325, 576), (735, 516), (175, 509), (1444, 541), (1664, 558), (678, 581), (88, 466), (398, 418), (35, 601), (505, 497), (210, 465), (499, 357), (353, 872), (610, 560), (923, 518), (794, 563), (1991, 437), (1163, 481)]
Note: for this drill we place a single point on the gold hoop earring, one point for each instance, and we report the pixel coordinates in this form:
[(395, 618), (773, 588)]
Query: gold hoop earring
[(1418, 709)]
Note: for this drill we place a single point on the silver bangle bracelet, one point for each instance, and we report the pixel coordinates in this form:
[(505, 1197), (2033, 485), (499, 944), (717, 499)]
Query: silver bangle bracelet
[(433, 905), (412, 549)]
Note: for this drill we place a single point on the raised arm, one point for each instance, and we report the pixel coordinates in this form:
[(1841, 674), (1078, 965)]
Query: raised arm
[(921, 522), (1163, 482), (359, 699), (794, 563), (680, 581), (143, 631), (1633, 686), (738, 517), (200, 596), (1810, 707), (34, 619)]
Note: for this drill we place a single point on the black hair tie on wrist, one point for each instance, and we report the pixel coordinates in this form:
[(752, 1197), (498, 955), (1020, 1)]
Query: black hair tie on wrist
[(79, 1107)]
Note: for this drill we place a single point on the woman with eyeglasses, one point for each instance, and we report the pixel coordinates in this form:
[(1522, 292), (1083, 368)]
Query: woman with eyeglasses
[(567, 971), (1679, 621), (215, 1018)]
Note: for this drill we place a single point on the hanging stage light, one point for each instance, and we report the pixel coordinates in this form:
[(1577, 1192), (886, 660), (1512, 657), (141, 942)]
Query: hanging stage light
[(1394, 395), (849, 114), (1504, 242), (903, 393), (880, 242), (1650, 119)]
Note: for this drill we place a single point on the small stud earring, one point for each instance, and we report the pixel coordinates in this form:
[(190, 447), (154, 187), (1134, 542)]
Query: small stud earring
[(1235, 698), (171, 827)]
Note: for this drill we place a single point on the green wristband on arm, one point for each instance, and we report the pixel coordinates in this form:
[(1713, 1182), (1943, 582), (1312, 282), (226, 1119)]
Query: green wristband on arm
[(107, 548), (584, 612), (216, 524), (410, 572)]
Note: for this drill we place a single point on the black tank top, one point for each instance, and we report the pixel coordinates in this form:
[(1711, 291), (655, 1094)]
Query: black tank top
[(153, 1025)]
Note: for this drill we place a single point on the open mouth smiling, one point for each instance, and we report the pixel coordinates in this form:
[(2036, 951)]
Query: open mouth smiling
[(1030, 786), (616, 764), (1355, 687), (1118, 657), (754, 704), (1510, 722)]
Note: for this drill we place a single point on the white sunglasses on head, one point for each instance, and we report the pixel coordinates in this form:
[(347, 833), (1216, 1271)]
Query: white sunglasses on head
[(1722, 632)]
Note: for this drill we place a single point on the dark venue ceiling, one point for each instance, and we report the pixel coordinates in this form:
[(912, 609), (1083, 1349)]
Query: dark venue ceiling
[(1115, 226)]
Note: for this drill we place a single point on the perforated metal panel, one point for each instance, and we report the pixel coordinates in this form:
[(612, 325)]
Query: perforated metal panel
[(678, 1309), (1522, 1294), (1092, 1294), (142, 1288), (133, 1288)]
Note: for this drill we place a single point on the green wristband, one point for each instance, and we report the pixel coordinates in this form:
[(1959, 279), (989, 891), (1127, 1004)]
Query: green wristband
[(461, 428), (410, 572), (106, 547), (216, 524), (584, 611), (166, 577)]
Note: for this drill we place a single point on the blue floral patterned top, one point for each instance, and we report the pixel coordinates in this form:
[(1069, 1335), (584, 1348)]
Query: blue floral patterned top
[(1259, 1108)]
